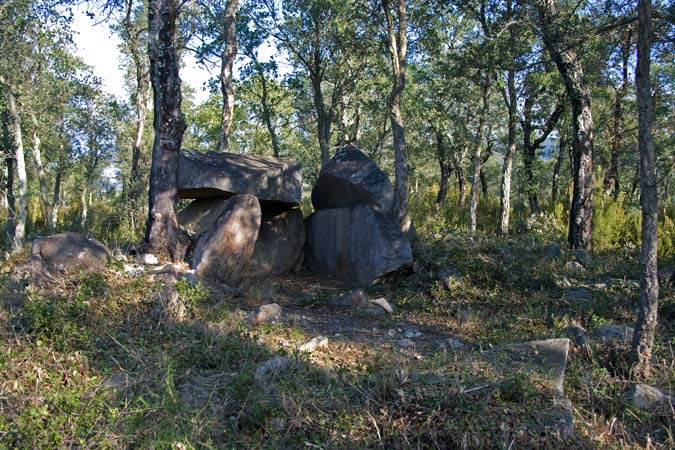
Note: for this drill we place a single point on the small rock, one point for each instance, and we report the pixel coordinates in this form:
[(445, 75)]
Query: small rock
[(553, 250), (170, 304), (374, 311), (411, 333), (614, 333), (577, 334), (354, 299), (562, 281), (271, 366), (391, 333), (649, 398), (384, 304), (265, 314), (119, 256), (579, 297), (190, 277), (313, 344), (147, 259), (133, 270), (574, 268), (405, 343), (583, 257), (448, 278)]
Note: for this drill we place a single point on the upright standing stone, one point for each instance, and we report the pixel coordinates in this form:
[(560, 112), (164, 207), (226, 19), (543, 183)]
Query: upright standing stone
[(350, 179), (355, 245), (223, 252)]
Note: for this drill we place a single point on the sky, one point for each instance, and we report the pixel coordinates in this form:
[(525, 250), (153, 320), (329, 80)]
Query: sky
[(98, 47)]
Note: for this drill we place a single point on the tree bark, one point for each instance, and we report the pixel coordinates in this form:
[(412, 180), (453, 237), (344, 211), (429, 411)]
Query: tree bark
[(21, 214), (267, 112), (397, 41), (226, 83), (476, 159), (612, 176), (556, 169), (565, 57), (645, 328), (507, 167), (42, 177), (56, 200), (446, 168), (163, 235)]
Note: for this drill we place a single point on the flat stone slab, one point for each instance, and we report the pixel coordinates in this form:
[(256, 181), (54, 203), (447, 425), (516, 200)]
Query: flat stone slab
[(214, 174)]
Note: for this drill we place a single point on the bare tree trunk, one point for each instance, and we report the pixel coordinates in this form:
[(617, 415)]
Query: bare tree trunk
[(56, 200), (461, 182), (476, 159), (397, 42), (42, 177), (267, 112), (556, 169), (645, 328), (4, 156), (83, 205), (226, 83), (17, 138), (163, 236), (612, 176), (446, 169), (568, 64), (323, 119)]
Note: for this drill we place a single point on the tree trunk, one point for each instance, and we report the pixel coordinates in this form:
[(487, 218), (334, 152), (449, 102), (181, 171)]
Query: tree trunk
[(5, 156), (461, 182), (227, 63), (163, 235), (643, 337), (397, 41), (556, 169), (56, 200), (612, 176), (446, 169), (266, 111), (507, 167), (568, 64), (42, 177), (83, 205), (323, 121), (21, 213), (476, 159)]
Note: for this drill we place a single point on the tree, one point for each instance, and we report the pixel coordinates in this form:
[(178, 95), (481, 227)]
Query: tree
[(163, 236), (397, 43), (550, 20), (643, 337)]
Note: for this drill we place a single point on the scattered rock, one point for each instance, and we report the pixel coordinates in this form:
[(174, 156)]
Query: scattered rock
[(280, 244), (384, 304), (314, 344), (217, 174), (580, 297), (411, 333), (355, 245), (351, 179), (147, 258), (69, 253), (354, 299), (552, 250), (373, 311), (562, 281), (405, 343), (170, 305), (273, 365), (614, 333), (189, 277), (583, 257), (265, 314), (577, 334), (223, 252), (649, 398), (133, 270), (448, 278), (575, 268)]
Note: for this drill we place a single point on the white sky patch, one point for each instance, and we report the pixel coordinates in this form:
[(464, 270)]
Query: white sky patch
[(99, 48)]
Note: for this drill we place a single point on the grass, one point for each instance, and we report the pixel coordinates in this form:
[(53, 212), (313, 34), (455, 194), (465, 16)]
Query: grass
[(87, 364)]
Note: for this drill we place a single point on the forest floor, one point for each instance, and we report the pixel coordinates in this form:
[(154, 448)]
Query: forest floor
[(89, 364)]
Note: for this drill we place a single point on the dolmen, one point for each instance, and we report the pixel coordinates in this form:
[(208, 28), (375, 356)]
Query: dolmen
[(243, 220), (353, 234)]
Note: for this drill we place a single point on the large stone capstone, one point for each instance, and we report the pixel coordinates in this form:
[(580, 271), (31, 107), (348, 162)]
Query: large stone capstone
[(355, 245), (215, 174), (280, 245), (350, 179), (223, 252)]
